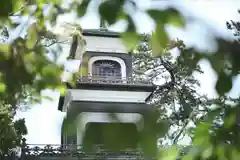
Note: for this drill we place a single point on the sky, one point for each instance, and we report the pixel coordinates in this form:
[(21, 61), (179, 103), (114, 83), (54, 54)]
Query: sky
[(205, 18)]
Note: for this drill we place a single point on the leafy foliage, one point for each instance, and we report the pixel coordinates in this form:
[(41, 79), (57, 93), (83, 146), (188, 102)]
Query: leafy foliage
[(235, 26), (11, 132), (177, 98), (24, 64)]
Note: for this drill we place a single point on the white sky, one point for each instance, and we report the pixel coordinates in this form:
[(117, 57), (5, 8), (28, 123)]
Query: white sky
[(44, 120)]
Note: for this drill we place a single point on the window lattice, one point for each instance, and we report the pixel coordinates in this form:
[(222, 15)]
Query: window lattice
[(106, 69)]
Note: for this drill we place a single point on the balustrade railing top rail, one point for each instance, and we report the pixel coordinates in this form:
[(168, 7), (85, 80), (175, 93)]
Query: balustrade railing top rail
[(112, 79)]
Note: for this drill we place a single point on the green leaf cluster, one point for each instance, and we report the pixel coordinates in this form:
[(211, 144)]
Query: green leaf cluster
[(24, 63)]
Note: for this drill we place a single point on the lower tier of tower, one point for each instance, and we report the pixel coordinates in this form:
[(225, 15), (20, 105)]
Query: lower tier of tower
[(114, 116), (113, 96), (96, 128), (98, 124)]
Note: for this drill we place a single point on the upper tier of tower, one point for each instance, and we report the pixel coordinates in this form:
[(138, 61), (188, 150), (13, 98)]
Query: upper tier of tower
[(96, 40), (105, 74), (104, 41)]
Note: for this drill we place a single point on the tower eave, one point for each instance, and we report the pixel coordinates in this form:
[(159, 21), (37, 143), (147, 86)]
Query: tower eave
[(101, 33), (109, 107), (120, 93)]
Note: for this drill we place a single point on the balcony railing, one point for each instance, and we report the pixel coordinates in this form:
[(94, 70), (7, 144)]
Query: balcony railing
[(72, 152), (109, 79), (76, 152), (98, 152)]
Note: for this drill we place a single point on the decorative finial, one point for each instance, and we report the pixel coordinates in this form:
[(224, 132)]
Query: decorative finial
[(103, 24)]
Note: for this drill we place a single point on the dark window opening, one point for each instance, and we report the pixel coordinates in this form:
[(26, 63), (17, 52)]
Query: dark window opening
[(106, 70), (113, 136)]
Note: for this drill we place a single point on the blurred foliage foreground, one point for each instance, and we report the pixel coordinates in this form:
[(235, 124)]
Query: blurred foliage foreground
[(26, 70)]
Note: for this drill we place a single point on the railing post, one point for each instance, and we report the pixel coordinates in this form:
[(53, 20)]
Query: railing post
[(23, 149)]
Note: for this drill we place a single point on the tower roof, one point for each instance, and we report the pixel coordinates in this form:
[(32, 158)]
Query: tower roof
[(101, 33)]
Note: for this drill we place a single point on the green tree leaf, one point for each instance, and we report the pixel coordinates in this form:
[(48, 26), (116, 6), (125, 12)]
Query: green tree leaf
[(169, 153), (5, 50), (158, 16), (7, 7), (157, 50), (39, 2), (32, 36), (175, 18), (62, 89), (110, 10), (159, 40), (230, 120), (170, 16), (224, 83), (2, 87), (82, 8), (130, 39), (18, 4)]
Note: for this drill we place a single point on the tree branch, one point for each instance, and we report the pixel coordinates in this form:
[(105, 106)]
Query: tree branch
[(19, 10), (168, 67), (54, 42), (167, 85), (180, 132), (73, 48)]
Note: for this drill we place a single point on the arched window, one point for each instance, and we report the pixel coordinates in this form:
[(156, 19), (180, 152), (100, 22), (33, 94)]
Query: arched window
[(106, 69)]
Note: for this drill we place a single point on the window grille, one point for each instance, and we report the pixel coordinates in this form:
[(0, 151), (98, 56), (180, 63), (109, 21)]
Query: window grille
[(106, 70)]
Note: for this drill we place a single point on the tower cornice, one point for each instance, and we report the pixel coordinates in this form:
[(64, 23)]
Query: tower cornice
[(101, 33)]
